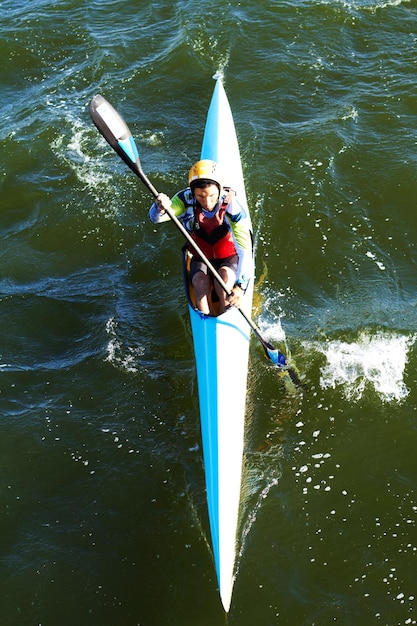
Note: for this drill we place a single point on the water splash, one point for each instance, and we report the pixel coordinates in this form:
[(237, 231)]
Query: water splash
[(124, 357), (375, 360), (73, 147), (370, 5), (272, 329), (258, 481)]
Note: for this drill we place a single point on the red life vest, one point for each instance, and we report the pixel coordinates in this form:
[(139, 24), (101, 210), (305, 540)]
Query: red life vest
[(212, 234)]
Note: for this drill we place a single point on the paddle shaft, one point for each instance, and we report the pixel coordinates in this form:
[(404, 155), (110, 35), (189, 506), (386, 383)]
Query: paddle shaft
[(139, 172), (116, 132)]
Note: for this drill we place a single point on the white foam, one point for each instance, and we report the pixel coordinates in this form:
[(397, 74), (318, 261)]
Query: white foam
[(272, 330), (375, 360), (121, 356), (91, 171), (371, 5)]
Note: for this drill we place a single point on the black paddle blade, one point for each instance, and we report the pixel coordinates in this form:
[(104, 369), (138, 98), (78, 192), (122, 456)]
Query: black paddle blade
[(114, 130), (296, 379), (117, 133)]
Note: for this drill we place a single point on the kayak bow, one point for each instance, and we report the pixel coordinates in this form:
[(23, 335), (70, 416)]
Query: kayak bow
[(221, 347)]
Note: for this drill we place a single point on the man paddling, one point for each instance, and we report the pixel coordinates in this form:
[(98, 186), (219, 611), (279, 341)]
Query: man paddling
[(220, 227)]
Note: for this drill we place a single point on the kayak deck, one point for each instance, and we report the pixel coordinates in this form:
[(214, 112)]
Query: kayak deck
[(221, 348)]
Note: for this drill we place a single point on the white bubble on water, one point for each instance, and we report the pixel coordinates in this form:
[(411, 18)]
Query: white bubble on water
[(272, 329), (375, 360), (124, 357)]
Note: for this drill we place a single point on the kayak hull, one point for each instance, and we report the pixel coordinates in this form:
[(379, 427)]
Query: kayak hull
[(221, 347)]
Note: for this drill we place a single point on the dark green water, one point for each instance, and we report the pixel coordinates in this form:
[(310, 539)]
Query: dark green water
[(103, 517)]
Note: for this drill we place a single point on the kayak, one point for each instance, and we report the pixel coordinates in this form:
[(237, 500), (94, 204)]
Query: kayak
[(221, 342), (221, 347)]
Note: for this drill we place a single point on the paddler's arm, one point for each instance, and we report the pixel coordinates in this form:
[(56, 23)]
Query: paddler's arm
[(235, 298), (157, 212), (242, 235)]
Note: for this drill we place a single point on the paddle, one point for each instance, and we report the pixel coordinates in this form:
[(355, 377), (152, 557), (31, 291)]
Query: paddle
[(116, 132)]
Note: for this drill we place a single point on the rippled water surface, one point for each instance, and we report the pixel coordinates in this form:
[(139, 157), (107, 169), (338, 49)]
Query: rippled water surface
[(103, 516)]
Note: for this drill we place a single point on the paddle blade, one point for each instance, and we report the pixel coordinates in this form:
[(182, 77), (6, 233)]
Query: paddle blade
[(295, 378), (273, 354), (278, 359), (117, 133), (114, 130)]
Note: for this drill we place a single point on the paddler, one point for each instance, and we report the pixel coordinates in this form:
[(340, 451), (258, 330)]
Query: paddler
[(221, 228)]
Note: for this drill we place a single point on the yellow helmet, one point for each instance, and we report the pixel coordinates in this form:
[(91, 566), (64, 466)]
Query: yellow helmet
[(205, 170)]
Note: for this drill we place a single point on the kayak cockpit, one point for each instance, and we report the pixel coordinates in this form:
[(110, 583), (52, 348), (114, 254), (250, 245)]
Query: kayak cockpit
[(213, 299)]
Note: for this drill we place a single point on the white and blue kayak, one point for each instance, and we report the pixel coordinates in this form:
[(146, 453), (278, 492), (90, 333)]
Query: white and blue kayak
[(221, 346)]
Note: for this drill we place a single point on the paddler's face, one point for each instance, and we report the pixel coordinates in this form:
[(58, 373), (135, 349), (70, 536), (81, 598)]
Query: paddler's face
[(207, 197)]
